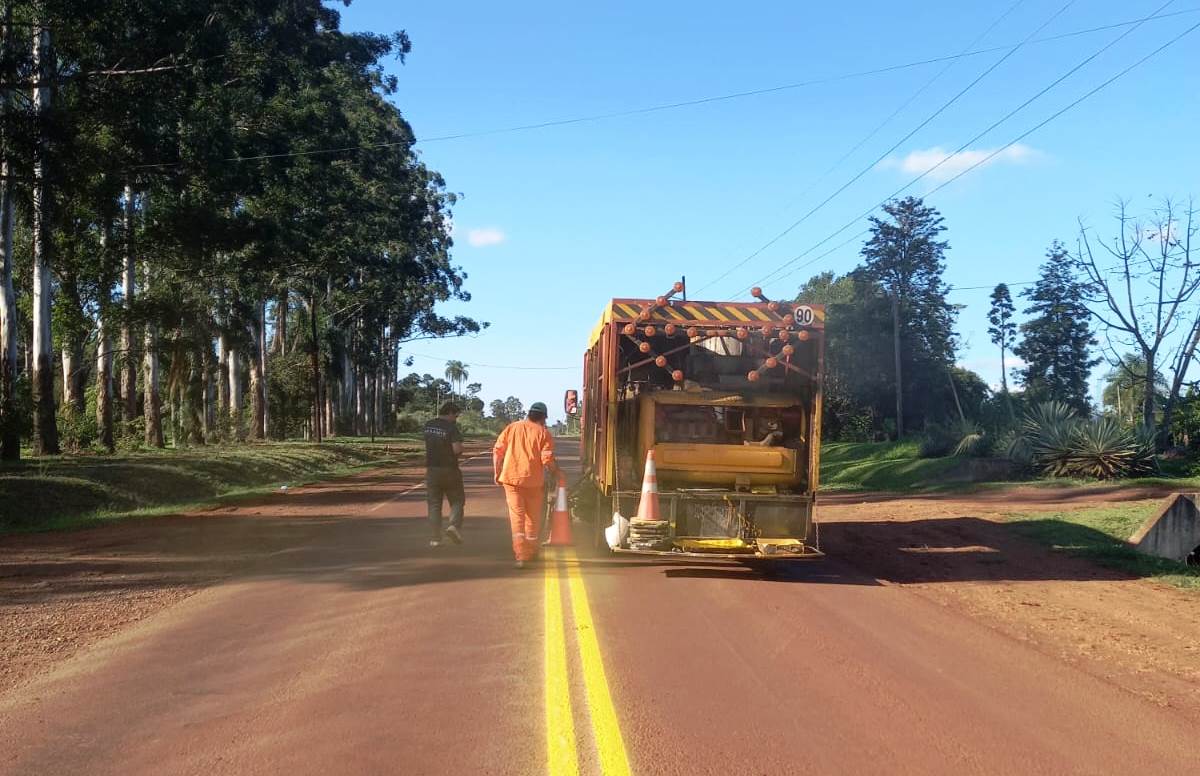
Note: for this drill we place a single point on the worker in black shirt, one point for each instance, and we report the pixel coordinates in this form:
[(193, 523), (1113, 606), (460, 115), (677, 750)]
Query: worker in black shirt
[(443, 478)]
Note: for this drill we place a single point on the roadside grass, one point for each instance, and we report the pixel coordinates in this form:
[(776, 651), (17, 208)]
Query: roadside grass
[(1100, 534), (57, 493), (897, 466)]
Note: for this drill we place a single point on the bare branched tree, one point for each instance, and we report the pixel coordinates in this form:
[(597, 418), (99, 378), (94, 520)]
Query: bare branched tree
[(1141, 300)]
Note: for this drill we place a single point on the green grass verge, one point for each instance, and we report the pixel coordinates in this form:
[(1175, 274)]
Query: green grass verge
[(895, 466), (68, 492), (1100, 534)]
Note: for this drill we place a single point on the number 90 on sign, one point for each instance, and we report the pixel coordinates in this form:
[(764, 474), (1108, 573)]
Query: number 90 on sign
[(804, 315)]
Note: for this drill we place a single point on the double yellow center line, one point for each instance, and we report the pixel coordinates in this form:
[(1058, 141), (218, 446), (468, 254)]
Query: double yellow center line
[(562, 751)]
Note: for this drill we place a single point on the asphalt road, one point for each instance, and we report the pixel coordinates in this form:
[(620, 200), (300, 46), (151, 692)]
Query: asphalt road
[(359, 649)]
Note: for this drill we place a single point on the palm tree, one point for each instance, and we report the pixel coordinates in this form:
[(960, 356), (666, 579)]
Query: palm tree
[(456, 374)]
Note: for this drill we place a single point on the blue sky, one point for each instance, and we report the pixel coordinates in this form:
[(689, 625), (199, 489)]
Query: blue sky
[(556, 221)]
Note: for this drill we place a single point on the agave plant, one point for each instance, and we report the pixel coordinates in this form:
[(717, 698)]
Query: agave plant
[(1060, 444), (1104, 449)]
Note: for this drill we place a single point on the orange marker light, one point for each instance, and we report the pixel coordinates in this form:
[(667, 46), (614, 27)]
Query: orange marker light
[(767, 331), (756, 291), (772, 362), (678, 287), (671, 329), (661, 362), (787, 350), (630, 329), (650, 331), (693, 332), (753, 377), (644, 347), (773, 306), (785, 335), (802, 335), (677, 376), (788, 320), (661, 301), (742, 333)]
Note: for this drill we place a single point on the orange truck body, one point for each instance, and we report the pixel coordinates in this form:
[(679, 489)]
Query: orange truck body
[(728, 395)]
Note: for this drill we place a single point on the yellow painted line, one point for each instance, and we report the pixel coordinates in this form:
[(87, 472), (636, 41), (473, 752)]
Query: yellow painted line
[(560, 725), (736, 313), (609, 742)]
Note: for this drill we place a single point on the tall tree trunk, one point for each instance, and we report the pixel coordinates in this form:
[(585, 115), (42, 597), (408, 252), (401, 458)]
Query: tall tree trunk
[(206, 370), (45, 423), (1148, 399), (10, 434), (194, 399), (257, 411), (314, 354), (74, 377), (104, 382), (279, 341), (233, 357), (263, 359), (129, 360), (899, 376), (152, 409)]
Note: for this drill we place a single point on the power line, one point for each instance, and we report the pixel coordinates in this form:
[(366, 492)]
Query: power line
[(919, 127), (888, 152), (783, 87), (995, 124), (685, 103)]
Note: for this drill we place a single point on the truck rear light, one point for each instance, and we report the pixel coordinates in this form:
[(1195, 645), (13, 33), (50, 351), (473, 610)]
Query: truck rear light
[(629, 329), (644, 347), (650, 331), (677, 376), (671, 329), (661, 362)]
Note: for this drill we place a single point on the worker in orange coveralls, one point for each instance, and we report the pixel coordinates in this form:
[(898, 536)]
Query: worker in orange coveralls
[(522, 452)]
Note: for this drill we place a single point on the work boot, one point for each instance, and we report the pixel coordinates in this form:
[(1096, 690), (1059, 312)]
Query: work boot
[(454, 535), (435, 543)]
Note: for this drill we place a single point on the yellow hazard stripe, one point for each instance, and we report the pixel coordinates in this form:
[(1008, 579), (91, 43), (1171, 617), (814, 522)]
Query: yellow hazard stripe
[(674, 314), (560, 724), (609, 742), (629, 310), (736, 313), (696, 312), (759, 314), (715, 312)]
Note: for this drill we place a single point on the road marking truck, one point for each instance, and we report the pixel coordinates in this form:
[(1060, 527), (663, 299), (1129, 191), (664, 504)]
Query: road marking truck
[(728, 396)]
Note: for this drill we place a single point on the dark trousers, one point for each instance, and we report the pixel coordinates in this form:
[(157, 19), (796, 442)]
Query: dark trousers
[(444, 483)]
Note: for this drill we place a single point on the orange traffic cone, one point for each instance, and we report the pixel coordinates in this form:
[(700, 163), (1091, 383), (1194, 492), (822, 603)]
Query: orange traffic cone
[(648, 508), (560, 520)]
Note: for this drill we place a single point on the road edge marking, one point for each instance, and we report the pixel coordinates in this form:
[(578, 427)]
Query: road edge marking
[(562, 753), (610, 744)]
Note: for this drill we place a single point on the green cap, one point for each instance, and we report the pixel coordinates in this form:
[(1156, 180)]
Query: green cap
[(538, 406)]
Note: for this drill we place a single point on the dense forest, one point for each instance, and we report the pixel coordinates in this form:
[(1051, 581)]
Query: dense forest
[(214, 225)]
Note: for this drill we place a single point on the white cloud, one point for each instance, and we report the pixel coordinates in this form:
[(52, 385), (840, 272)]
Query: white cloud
[(482, 238), (950, 164)]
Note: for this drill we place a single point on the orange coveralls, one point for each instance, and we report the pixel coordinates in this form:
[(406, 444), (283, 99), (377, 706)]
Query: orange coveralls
[(523, 449)]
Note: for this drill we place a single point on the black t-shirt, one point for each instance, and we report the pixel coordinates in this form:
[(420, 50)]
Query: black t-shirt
[(439, 436)]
